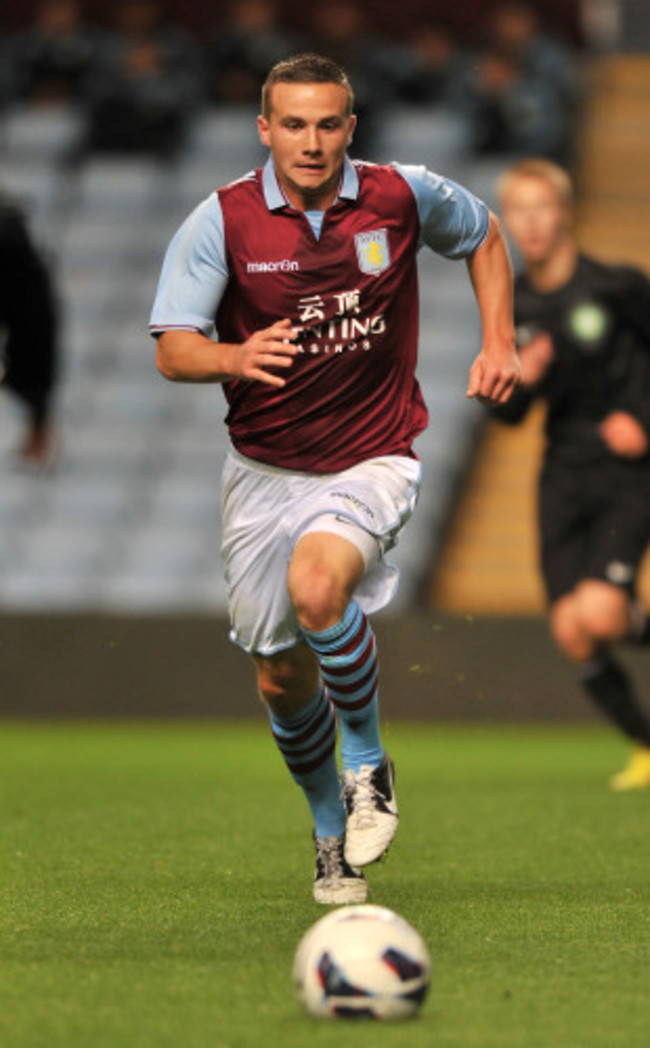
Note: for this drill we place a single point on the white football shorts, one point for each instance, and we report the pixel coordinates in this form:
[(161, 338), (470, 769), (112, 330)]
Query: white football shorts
[(266, 510)]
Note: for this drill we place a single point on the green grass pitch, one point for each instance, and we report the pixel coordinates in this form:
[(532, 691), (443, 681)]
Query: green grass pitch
[(155, 880)]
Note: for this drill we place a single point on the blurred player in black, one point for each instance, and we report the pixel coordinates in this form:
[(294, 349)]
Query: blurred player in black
[(28, 333), (584, 337)]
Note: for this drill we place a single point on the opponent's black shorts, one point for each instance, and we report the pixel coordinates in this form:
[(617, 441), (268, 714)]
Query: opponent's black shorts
[(591, 527)]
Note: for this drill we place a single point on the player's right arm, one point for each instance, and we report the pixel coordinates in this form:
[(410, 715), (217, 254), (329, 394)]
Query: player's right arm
[(189, 356), (193, 280), (535, 352), (535, 356)]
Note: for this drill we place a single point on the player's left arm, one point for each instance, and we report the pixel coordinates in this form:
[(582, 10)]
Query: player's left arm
[(496, 371), (631, 299), (626, 430), (457, 225)]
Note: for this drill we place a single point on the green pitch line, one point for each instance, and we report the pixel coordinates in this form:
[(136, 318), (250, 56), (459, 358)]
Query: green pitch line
[(155, 880)]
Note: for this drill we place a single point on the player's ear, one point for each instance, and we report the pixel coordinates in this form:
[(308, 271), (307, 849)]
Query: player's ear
[(351, 126), (263, 130)]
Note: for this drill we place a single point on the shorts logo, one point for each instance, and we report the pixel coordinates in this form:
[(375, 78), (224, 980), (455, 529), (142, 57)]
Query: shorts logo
[(372, 251), (619, 573), (354, 502)]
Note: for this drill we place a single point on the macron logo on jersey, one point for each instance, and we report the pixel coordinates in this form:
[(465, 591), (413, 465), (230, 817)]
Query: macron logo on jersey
[(284, 265)]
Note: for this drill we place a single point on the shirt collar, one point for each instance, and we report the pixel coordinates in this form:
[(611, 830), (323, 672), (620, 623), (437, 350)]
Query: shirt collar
[(275, 198)]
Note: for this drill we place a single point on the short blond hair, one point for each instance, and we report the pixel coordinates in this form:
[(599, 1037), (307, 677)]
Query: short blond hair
[(538, 167)]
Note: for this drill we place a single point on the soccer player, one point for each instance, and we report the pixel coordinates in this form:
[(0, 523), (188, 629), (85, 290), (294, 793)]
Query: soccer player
[(29, 333), (584, 335), (306, 271)]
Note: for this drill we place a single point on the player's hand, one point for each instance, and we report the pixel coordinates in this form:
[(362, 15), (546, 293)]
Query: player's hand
[(624, 435), (535, 358), (270, 348), (494, 375)]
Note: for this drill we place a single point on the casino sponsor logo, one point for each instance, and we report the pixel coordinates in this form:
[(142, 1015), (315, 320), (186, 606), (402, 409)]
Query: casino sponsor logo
[(373, 253), (283, 265), (335, 324), (589, 324)]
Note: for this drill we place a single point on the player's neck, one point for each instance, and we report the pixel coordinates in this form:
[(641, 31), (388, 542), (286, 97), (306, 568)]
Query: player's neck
[(555, 271), (317, 201)]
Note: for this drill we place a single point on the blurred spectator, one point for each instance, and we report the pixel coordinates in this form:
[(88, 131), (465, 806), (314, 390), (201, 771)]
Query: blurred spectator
[(241, 54), (520, 92), (7, 76), (147, 84), (377, 67), (28, 332), (52, 59), (437, 62), (516, 32)]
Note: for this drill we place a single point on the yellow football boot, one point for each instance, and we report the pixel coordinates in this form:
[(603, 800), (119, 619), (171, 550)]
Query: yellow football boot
[(636, 773)]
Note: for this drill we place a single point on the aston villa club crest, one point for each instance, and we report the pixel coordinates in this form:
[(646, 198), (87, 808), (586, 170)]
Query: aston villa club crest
[(372, 251)]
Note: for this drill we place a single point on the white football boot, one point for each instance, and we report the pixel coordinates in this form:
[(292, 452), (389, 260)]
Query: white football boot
[(336, 883), (372, 817)]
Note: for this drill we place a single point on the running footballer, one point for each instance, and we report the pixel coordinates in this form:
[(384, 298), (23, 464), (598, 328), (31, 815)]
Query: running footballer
[(584, 330), (296, 289)]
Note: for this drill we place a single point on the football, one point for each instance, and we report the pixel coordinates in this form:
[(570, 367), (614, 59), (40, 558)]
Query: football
[(362, 962)]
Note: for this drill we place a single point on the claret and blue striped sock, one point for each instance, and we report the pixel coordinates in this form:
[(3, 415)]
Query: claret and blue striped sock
[(307, 741), (347, 657)]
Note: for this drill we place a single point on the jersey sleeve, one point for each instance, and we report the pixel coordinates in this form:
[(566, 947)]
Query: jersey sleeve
[(194, 274), (634, 309), (453, 222), (634, 301)]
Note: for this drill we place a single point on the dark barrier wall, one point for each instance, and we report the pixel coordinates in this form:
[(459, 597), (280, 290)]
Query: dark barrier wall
[(464, 16), (433, 668)]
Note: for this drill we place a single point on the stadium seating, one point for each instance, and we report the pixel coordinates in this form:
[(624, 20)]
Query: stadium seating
[(128, 520)]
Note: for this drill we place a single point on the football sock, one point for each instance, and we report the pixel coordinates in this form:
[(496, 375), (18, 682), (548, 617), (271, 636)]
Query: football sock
[(612, 691), (347, 657), (307, 741)]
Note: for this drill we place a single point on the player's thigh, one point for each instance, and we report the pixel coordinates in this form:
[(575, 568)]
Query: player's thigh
[(621, 535), (255, 550), (325, 569), (367, 506), (566, 518)]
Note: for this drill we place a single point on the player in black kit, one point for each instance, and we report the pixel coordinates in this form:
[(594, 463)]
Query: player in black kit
[(584, 337), (29, 328)]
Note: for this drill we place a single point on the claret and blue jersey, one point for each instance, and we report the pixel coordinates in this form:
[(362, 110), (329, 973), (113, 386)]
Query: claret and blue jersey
[(347, 280)]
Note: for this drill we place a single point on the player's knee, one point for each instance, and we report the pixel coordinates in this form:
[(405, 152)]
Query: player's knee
[(603, 611), (604, 624), (318, 598), (567, 630)]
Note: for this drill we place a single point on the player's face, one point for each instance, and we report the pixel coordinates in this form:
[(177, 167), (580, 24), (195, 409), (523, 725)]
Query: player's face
[(535, 217), (308, 131)]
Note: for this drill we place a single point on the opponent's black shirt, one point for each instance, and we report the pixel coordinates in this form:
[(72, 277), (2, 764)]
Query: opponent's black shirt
[(599, 323), (28, 316)]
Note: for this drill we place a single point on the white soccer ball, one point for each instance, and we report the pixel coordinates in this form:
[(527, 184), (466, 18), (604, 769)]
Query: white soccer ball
[(362, 961)]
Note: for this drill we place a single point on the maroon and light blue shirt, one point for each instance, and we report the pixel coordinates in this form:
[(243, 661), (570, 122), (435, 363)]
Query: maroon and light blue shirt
[(347, 280)]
